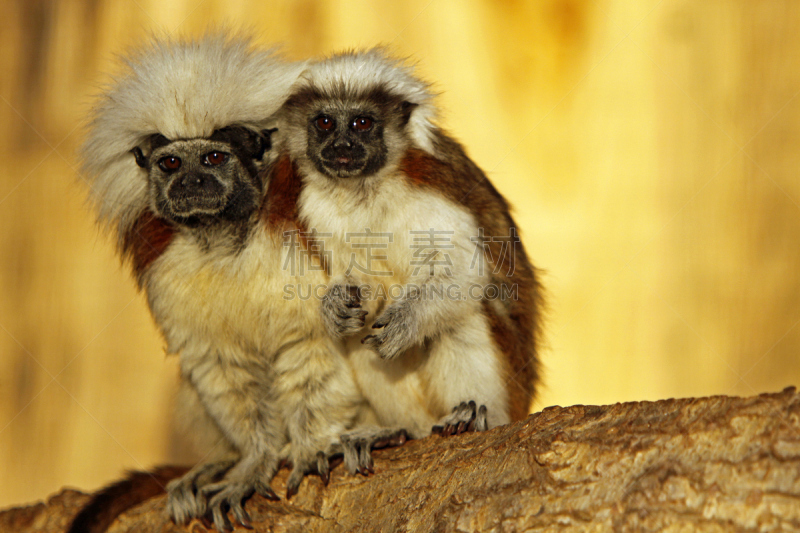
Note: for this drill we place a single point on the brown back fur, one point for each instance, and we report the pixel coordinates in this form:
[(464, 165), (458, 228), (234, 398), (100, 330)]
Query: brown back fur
[(517, 330)]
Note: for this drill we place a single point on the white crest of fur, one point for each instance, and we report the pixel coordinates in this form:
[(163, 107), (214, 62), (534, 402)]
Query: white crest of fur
[(180, 89), (361, 71)]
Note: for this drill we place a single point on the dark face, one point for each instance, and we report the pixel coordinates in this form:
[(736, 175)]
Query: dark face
[(195, 182), (347, 142)]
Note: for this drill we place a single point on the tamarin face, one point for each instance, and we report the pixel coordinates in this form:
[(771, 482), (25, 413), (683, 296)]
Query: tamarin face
[(345, 142), (194, 182), (351, 137)]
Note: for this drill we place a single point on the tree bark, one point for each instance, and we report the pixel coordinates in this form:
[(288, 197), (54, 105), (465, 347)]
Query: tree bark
[(699, 464)]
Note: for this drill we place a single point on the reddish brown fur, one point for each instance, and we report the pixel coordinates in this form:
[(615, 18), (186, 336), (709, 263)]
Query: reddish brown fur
[(507, 339), (420, 167), (517, 330), (280, 202), (146, 241), (110, 502), (279, 210)]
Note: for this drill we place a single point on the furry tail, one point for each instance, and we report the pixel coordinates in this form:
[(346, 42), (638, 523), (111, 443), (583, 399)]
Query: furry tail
[(106, 505)]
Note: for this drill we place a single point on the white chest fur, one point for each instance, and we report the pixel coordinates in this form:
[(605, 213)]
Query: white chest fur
[(391, 232), (231, 303)]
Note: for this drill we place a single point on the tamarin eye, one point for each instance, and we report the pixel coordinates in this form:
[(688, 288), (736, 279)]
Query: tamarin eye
[(362, 124), (325, 123), (169, 163), (213, 159)]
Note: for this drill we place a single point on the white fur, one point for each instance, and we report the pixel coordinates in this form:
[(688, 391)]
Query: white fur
[(265, 370), (181, 89), (261, 367), (462, 362), (455, 358), (226, 316)]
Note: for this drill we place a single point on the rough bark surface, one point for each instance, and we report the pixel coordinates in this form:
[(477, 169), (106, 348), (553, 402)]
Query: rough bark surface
[(700, 464)]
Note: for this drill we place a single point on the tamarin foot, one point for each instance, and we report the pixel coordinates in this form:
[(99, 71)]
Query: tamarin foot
[(228, 495), (358, 446), (182, 502), (320, 463), (466, 416)]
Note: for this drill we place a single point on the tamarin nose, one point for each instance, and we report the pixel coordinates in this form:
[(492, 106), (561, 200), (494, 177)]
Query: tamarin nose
[(198, 183), (195, 180), (342, 143)]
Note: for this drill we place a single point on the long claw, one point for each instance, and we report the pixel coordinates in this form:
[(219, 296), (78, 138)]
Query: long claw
[(184, 500), (357, 447), (266, 491), (481, 423), (293, 483), (365, 458), (202, 503), (323, 468), (221, 521), (401, 439), (466, 416), (241, 516)]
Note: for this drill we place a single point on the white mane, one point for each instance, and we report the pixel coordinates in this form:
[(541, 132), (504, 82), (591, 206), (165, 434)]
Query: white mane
[(180, 89)]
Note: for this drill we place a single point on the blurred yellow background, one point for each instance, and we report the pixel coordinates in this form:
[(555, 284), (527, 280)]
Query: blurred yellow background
[(650, 149)]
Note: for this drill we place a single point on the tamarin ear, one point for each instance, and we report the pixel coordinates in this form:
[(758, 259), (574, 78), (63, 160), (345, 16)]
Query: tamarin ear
[(155, 141), (141, 160), (266, 140), (267, 134), (405, 110)]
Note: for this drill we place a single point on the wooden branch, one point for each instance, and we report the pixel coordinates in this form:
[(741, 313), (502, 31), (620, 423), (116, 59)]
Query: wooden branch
[(704, 464)]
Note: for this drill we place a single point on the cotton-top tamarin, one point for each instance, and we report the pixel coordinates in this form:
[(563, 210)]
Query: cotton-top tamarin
[(179, 166), (417, 236)]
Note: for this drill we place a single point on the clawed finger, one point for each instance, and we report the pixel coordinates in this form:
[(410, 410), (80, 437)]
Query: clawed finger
[(221, 521), (241, 515), (466, 416), (262, 489), (371, 340)]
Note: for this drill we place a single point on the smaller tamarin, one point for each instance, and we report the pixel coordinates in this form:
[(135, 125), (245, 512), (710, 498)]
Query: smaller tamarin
[(180, 166), (418, 237)]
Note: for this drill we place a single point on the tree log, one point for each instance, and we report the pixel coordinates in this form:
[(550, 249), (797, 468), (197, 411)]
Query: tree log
[(699, 464)]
